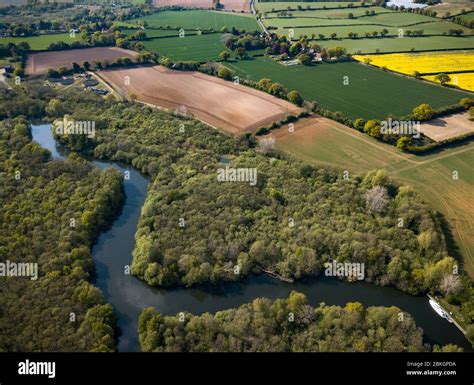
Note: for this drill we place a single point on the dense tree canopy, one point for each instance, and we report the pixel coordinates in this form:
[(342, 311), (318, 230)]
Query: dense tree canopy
[(61, 310), (196, 229), (286, 325)]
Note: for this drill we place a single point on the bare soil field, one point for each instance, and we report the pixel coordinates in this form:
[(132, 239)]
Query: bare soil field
[(236, 5), (206, 4), (453, 8), (39, 63), (227, 5), (447, 127), (217, 102)]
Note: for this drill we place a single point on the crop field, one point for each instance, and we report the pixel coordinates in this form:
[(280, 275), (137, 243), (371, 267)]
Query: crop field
[(393, 44), (227, 5), (41, 42), (195, 47), (464, 81), (217, 102), (343, 31), (453, 198), (152, 33), (344, 20), (200, 19), (450, 8), (39, 63), (338, 13), (388, 19), (283, 5), (371, 93), (324, 141), (429, 63), (424, 63)]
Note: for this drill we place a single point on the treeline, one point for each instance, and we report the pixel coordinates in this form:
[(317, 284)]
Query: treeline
[(52, 210), (285, 325)]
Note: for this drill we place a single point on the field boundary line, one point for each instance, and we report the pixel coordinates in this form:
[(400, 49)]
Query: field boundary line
[(435, 158), (383, 148)]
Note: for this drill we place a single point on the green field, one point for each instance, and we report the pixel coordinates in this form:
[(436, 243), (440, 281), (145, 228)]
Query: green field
[(340, 14), (312, 23), (394, 44), (200, 19), (268, 6), (468, 16), (371, 93), (387, 19), (196, 48), (152, 33), (453, 198), (430, 175), (41, 42), (436, 28)]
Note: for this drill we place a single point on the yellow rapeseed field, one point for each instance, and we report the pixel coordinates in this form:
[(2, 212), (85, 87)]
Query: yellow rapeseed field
[(428, 62), (464, 81)]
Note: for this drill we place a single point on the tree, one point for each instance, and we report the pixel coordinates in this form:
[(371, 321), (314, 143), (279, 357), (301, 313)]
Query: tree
[(86, 65), (240, 52), (466, 103), (377, 199), (276, 89), (403, 143), (266, 145), (451, 284), (372, 127), (224, 73), (18, 71), (295, 97), (304, 59), (442, 78), (359, 124), (423, 112), (224, 55), (76, 68)]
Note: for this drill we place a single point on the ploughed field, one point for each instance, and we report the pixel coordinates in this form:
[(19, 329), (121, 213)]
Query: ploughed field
[(39, 63), (217, 102)]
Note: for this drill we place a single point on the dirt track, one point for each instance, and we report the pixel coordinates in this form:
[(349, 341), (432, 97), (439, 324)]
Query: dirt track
[(219, 103), (39, 63)]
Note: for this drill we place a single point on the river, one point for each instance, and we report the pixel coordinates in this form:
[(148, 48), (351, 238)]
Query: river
[(128, 295)]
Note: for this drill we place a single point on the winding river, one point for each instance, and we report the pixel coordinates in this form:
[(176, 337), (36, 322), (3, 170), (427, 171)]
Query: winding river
[(113, 251)]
